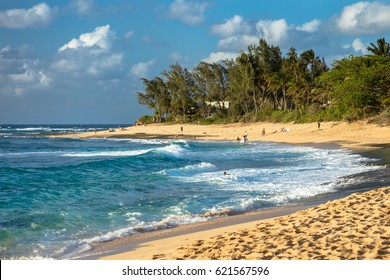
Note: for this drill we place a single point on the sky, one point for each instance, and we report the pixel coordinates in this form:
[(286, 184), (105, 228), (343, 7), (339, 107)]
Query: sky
[(80, 61)]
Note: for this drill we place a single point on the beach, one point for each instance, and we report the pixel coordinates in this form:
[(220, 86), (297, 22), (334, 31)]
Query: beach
[(353, 227), (358, 135)]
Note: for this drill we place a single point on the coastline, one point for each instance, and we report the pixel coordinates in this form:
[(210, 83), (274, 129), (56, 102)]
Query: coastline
[(359, 136), (178, 242), (355, 227), (371, 140)]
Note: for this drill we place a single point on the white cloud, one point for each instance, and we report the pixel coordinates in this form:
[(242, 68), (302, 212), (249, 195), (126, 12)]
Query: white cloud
[(238, 42), (189, 12), (220, 56), (89, 56), (310, 26), (142, 69), (38, 16), (11, 53), (236, 34), (232, 26), (98, 40), (358, 46), (19, 73), (364, 18), (273, 31), (25, 77), (108, 63), (83, 7)]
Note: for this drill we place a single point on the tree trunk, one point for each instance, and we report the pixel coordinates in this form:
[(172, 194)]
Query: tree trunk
[(284, 99)]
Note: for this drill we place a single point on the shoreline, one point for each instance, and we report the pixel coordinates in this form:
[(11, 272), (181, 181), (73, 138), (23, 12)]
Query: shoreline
[(182, 242), (359, 136), (156, 244)]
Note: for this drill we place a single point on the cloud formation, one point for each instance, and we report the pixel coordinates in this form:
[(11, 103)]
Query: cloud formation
[(237, 42), (89, 55), (189, 12), (40, 15), (358, 46), (99, 40), (273, 31), (107, 63), (220, 56), (235, 35), (364, 18), (142, 69), (311, 26), (231, 27), (19, 73)]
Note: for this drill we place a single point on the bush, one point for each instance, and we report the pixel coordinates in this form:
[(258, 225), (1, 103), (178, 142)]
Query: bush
[(383, 118), (145, 120)]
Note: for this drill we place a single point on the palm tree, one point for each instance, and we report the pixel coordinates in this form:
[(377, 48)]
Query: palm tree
[(309, 57), (382, 47)]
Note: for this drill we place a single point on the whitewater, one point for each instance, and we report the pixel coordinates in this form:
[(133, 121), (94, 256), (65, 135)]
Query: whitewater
[(59, 196)]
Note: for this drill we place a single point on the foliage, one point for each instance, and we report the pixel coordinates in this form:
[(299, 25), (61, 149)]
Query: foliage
[(383, 118), (261, 84), (144, 120)]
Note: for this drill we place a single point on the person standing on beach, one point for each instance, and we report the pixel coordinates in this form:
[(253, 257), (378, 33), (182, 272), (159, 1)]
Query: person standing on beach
[(263, 132), (319, 125)]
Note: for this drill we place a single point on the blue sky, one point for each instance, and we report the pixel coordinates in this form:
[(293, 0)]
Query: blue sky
[(79, 61)]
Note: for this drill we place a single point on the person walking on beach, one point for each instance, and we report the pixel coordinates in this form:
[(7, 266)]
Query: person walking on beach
[(263, 132), (319, 125)]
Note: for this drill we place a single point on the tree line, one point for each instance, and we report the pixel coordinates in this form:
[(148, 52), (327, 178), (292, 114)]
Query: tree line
[(262, 84)]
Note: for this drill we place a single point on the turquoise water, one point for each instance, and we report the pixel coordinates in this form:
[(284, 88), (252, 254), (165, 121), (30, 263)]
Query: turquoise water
[(58, 196)]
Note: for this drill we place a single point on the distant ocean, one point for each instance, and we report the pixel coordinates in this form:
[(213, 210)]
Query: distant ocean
[(59, 196)]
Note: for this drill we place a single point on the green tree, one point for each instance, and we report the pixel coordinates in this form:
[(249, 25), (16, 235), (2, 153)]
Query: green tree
[(156, 97), (211, 86), (358, 85), (381, 48), (180, 84)]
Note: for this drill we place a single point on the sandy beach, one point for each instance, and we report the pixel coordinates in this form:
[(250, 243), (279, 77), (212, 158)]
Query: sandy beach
[(354, 227), (358, 135)]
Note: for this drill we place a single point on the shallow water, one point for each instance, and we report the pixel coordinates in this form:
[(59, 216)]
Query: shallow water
[(58, 196)]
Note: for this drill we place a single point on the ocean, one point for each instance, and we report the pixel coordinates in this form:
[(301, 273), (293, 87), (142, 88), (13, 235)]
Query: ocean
[(59, 196)]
